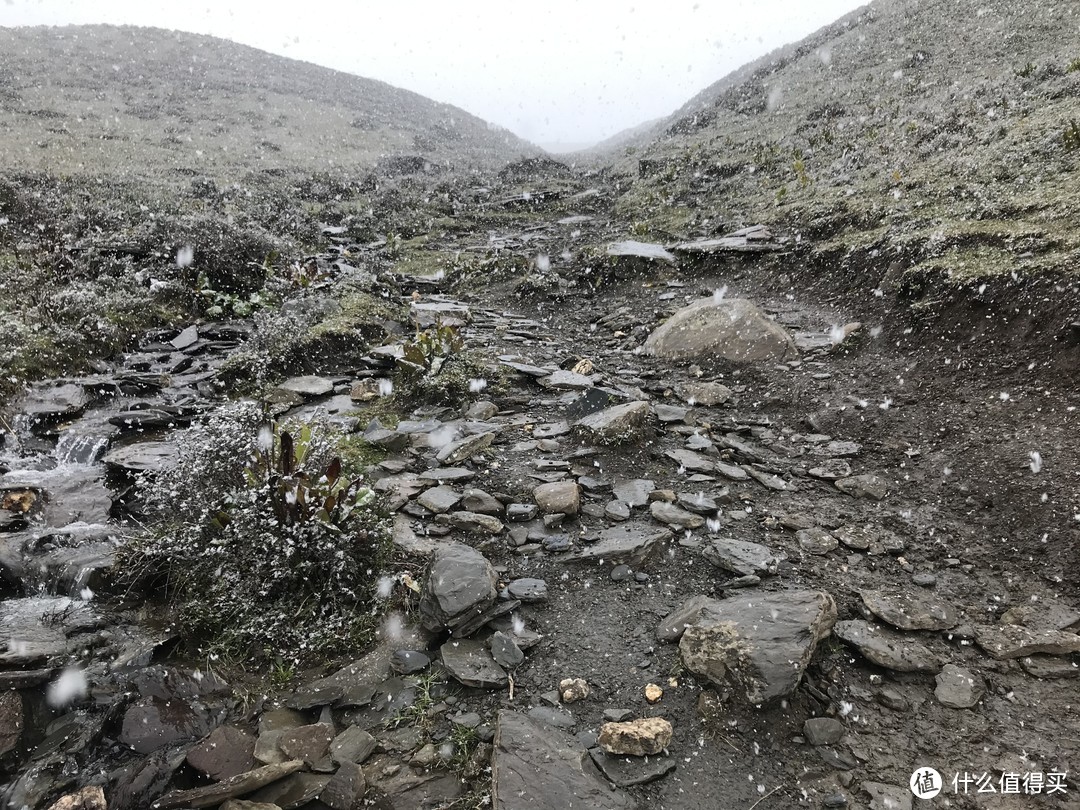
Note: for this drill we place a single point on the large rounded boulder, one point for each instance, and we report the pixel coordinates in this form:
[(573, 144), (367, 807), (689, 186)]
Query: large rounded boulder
[(732, 329)]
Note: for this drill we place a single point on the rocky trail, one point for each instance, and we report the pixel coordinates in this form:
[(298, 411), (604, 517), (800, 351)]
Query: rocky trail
[(696, 539)]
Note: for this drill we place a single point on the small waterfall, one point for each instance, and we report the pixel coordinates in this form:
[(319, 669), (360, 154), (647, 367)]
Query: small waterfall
[(73, 448)]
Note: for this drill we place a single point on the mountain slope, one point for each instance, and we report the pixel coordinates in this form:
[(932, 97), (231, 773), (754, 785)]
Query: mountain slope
[(104, 98), (941, 131)]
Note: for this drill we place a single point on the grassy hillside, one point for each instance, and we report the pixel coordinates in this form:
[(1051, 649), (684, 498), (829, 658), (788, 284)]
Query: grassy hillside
[(934, 135), (124, 99)]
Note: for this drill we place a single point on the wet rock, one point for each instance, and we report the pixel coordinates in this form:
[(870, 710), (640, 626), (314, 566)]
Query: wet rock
[(823, 730), (476, 500), (668, 414), (571, 690), (352, 685), (447, 475), (831, 470), (673, 625), (311, 743), (633, 492), (537, 766), (406, 662), (89, 798), (141, 457), (708, 394), (11, 720), (50, 404), (1043, 616), (470, 663), (346, 788), (886, 647), (560, 497), (439, 499), (858, 538), (625, 772), (457, 451), (520, 512), (1005, 641), (404, 538), (731, 472), (528, 589), (957, 688), (627, 423), (227, 752), (237, 786), (616, 510), (153, 723), (700, 503), (551, 716), (460, 583), (689, 460), (309, 387), (742, 557), (476, 523), (674, 516), (551, 430), (888, 797), (910, 611), (730, 329), (243, 804), (505, 650), (1050, 667), (628, 543), (768, 480), (816, 541), (866, 486), (37, 628), (760, 642), (426, 314), (294, 791), (566, 380), (352, 745), (636, 738)]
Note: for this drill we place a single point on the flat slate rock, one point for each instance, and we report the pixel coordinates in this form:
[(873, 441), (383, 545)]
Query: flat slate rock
[(886, 647), (629, 543), (628, 771), (742, 557), (910, 610), (633, 491), (1005, 641), (141, 457), (217, 793), (470, 663), (538, 767)]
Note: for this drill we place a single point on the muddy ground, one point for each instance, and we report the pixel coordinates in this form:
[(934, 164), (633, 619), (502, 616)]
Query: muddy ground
[(948, 406)]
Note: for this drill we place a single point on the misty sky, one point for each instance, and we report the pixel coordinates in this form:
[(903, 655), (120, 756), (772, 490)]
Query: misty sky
[(556, 72)]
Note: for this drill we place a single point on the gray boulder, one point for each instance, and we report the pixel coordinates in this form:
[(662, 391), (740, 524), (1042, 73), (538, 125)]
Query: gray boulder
[(460, 584), (759, 643), (732, 329), (619, 424)]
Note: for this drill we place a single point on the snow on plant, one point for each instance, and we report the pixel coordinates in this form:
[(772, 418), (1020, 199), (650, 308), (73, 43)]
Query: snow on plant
[(266, 549)]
